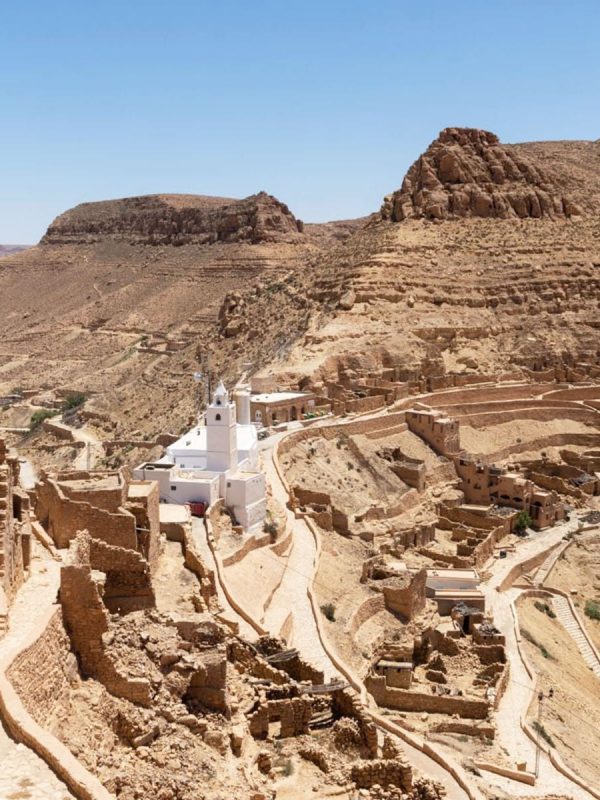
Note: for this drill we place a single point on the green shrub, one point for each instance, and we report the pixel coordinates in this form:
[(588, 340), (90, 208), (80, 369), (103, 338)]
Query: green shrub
[(545, 609), (270, 527), (592, 609), (328, 610), (539, 728), (74, 400), (39, 416), (523, 521)]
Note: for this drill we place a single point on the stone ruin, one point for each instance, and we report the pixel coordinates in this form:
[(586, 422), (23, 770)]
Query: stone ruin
[(15, 531)]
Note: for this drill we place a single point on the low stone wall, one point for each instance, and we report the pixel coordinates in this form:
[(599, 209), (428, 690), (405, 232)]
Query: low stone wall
[(367, 609), (407, 700), (253, 543), (514, 774), (477, 729), (22, 726), (540, 414)]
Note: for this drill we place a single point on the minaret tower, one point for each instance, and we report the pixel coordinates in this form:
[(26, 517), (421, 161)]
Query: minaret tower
[(221, 439)]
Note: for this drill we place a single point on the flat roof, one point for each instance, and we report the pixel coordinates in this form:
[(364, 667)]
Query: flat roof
[(141, 489), (450, 593), (195, 440), (169, 512), (277, 397), (437, 572)]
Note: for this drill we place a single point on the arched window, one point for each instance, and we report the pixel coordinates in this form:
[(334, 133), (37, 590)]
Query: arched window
[(218, 417)]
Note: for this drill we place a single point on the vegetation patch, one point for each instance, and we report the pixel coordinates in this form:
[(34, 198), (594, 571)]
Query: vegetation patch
[(39, 416), (592, 609), (522, 521), (545, 609), (539, 728), (328, 610), (74, 400)]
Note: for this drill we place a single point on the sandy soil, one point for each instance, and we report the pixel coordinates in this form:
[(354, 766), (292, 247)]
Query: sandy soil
[(572, 717), (496, 437), (578, 573)]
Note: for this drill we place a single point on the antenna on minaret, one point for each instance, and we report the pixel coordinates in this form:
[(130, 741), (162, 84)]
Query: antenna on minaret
[(198, 379)]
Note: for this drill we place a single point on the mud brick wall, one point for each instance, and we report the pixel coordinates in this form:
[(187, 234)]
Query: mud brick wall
[(405, 700), (209, 684), (14, 536), (382, 772), (147, 516), (43, 673), (86, 619), (293, 713), (346, 703), (406, 599), (64, 518), (128, 585)]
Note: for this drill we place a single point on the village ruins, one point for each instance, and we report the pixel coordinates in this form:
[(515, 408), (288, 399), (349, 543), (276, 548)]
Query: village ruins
[(357, 567)]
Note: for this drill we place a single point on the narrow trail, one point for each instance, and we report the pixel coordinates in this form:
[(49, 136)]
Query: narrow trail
[(206, 554), (520, 690), (24, 774)]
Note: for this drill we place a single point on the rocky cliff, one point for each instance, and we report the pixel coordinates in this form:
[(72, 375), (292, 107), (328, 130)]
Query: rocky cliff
[(467, 172), (177, 220)]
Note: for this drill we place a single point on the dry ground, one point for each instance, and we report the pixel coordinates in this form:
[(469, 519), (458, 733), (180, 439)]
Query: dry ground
[(578, 573), (572, 717)]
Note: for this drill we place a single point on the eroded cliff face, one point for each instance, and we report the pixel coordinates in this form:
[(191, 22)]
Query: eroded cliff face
[(177, 220), (467, 172)]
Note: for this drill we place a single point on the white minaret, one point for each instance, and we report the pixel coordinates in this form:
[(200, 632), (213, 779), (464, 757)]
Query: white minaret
[(221, 439)]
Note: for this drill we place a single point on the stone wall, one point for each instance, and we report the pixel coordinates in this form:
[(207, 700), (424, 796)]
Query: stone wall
[(86, 620), (43, 691), (408, 700), (63, 518), (15, 529)]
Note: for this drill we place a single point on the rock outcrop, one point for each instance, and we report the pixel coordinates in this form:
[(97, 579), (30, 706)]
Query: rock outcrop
[(467, 172), (177, 220)]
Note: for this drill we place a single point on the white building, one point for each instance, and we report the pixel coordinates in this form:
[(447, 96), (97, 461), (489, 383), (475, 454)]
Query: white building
[(213, 460)]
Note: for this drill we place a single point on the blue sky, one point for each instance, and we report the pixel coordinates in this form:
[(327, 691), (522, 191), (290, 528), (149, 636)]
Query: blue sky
[(323, 104)]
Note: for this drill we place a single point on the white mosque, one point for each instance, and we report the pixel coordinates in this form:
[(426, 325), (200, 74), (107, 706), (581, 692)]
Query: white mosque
[(216, 460)]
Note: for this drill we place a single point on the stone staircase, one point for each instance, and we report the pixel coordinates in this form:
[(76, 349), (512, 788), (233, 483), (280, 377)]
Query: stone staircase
[(548, 563), (573, 627)]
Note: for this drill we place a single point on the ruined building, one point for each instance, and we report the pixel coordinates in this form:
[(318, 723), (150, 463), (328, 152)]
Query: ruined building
[(15, 531)]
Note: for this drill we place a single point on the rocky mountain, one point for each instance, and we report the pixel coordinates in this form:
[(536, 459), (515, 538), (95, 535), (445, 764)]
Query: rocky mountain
[(177, 220), (442, 282), (122, 300), (467, 172)]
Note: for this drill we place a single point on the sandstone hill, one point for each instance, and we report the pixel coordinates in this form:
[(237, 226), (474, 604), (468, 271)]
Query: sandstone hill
[(121, 299), (177, 220), (440, 282), (468, 173)]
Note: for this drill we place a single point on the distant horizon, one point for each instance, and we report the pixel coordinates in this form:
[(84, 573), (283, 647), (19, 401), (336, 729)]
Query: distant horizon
[(325, 105)]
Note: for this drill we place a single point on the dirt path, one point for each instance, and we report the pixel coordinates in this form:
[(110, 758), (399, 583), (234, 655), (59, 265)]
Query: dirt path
[(23, 774), (91, 453), (517, 697), (206, 554)]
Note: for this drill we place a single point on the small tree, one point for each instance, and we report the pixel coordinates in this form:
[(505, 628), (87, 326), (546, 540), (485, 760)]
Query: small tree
[(74, 400), (523, 521)]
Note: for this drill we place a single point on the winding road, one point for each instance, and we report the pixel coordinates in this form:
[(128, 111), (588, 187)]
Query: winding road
[(517, 697)]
